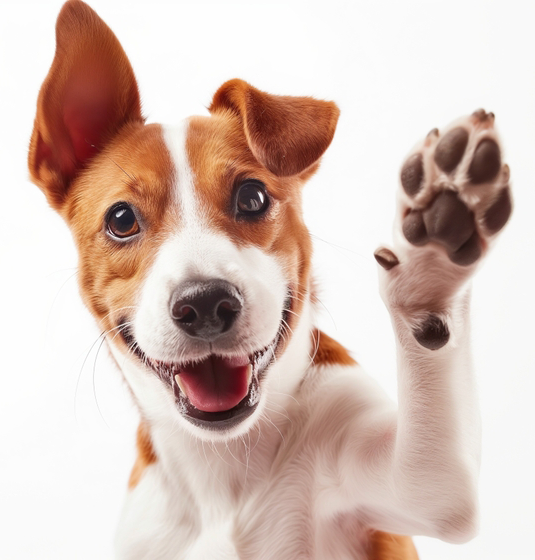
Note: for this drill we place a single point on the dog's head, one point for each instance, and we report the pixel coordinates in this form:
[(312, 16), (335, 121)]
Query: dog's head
[(193, 256)]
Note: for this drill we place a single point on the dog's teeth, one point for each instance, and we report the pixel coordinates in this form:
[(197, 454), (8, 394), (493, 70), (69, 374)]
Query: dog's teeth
[(249, 374), (180, 384)]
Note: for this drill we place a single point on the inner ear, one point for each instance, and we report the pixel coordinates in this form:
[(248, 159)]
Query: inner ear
[(90, 93), (285, 134)]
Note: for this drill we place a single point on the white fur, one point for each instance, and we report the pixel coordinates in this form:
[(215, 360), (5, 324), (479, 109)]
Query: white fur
[(328, 455)]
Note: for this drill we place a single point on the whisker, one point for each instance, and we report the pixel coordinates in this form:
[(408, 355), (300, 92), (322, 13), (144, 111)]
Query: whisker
[(265, 417), (56, 297), (283, 394), (116, 311), (209, 464), (340, 248), (278, 412), (94, 383), (102, 334), (131, 177), (316, 340)]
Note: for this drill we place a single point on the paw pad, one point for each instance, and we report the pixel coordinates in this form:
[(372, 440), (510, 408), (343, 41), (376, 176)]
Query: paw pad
[(449, 221), (456, 189), (486, 162), (496, 216), (432, 334), (450, 149), (412, 174), (414, 228)]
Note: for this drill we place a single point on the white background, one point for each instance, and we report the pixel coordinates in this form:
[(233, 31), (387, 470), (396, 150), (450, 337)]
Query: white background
[(396, 69)]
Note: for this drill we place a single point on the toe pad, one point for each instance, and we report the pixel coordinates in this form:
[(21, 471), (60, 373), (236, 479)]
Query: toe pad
[(412, 174), (497, 215), (486, 162), (450, 149)]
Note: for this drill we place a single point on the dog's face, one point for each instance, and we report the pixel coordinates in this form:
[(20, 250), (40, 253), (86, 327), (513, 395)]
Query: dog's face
[(193, 254)]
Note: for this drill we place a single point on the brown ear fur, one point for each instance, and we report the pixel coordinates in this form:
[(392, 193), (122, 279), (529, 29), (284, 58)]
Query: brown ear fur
[(89, 94), (286, 134)]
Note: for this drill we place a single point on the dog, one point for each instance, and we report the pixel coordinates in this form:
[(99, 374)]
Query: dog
[(260, 436)]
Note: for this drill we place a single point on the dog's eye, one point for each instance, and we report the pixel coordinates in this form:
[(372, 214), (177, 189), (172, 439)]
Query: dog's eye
[(252, 197), (122, 221)]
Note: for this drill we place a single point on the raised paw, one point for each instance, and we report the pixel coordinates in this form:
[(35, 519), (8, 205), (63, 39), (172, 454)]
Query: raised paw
[(455, 189), (453, 201)]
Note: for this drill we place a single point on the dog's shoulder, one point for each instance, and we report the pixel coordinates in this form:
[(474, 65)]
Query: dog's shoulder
[(335, 374), (337, 392), (328, 351)]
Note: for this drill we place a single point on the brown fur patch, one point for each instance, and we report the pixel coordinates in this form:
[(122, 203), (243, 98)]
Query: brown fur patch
[(286, 134), (91, 149), (387, 546), (136, 168), (277, 140), (328, 351), (220, 158), (145, 455)]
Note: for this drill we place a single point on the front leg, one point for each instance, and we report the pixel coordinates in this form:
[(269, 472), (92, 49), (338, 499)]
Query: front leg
[(415, 471), (454, 199)]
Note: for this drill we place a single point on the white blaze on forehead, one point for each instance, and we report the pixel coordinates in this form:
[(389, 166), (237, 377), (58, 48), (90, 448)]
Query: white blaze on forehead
[(188, 203), (197, 251)]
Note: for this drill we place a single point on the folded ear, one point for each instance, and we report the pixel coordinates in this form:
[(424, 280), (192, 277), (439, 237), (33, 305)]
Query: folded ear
[(89, 94), (286, 134)]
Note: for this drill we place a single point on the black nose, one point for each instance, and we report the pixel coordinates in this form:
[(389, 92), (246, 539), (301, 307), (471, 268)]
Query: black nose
[(205, 309)]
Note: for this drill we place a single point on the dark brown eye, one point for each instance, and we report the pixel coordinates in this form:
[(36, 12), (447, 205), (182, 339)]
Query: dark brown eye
[(122, 221), (252, 198)]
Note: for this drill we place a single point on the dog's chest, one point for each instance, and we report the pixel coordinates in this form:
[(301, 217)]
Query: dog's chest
[(248, 513), (282, 529)]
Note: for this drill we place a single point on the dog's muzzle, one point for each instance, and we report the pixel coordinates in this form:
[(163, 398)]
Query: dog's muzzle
[(219, 389)]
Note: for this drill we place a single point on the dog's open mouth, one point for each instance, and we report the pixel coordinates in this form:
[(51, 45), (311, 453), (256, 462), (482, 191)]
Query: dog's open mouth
[(216, 392), (215, 384)]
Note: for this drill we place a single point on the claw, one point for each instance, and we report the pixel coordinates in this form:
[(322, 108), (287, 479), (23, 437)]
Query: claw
[(506, 173), (482, 116), (431, 137)]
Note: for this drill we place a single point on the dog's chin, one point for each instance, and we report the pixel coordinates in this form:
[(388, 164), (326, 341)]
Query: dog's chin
[(218, 392)]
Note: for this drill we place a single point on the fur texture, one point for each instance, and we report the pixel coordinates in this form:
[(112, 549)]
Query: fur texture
[(323, 465)]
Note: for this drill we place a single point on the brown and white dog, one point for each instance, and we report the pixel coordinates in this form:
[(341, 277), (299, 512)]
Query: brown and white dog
[(260, 437)]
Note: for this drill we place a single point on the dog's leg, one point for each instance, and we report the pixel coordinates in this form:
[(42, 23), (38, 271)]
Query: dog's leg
[(454, 199), (414, 470)]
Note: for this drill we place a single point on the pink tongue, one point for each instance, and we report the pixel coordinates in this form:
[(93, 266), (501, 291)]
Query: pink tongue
[(216, 383)]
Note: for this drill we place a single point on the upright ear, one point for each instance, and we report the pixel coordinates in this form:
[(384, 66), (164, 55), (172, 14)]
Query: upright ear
[(286, 134), (89, 94)]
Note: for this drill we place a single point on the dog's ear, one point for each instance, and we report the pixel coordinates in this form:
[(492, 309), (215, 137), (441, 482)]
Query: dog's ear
[(89, 94), (285, 134)]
